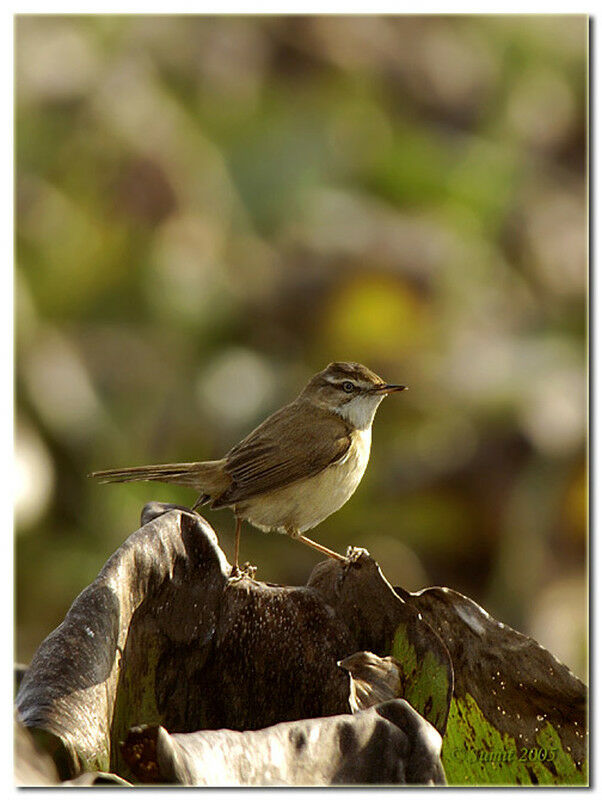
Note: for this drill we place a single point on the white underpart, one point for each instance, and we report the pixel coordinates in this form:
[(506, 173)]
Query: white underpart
[(302, 505), (305, 503), (361, 410)]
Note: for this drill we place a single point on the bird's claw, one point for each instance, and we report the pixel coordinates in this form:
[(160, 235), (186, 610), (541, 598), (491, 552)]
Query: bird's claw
[(237, 574), (249, 570), (355, 553)]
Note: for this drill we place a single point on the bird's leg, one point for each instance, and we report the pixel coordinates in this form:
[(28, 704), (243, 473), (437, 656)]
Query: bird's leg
[(235, 568), (294, 534)]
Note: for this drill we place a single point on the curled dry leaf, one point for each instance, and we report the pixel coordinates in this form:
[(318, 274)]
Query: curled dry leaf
[(518, 715), (389, 744), (163, 637), (373, 680)]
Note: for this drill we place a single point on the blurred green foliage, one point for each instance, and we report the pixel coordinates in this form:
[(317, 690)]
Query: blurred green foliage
[(210, 209)]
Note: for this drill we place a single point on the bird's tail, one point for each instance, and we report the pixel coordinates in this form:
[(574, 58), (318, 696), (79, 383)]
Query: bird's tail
[(205, 476)]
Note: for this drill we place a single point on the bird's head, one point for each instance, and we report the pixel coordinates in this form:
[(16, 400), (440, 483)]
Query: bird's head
[(350, 390)]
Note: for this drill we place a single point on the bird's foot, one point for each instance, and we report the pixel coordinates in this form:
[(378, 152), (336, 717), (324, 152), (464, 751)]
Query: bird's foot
[(249, 570), (237, 574), (355, 553)]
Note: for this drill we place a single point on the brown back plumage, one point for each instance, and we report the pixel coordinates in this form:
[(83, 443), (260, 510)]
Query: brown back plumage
[(286, 447), (297, 441)]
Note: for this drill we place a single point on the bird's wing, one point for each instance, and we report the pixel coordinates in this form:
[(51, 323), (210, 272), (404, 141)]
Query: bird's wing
[(296, 442)]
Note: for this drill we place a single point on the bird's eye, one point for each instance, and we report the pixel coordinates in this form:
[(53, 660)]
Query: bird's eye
[(348, 387)]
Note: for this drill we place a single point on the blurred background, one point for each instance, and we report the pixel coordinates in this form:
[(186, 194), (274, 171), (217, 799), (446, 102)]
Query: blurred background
[(211, 209)]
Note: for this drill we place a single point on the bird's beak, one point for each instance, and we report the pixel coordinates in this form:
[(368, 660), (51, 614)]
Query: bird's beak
[(389, 388)]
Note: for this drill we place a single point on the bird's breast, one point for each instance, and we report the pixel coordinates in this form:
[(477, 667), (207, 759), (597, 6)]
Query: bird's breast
[(357, 456), (305, 503)]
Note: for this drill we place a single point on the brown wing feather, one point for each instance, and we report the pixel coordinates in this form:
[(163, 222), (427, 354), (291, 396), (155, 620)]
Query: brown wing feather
[(297, 441)]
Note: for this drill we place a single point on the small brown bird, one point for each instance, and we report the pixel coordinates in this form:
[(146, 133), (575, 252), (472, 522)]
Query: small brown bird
[(296, 468)]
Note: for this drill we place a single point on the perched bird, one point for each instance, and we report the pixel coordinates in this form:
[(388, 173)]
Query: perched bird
[(296, 468)]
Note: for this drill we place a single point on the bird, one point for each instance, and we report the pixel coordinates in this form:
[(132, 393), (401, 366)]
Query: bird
[(294, 469)]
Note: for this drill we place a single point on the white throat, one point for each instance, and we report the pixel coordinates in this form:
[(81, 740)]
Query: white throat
[(361, 410)]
